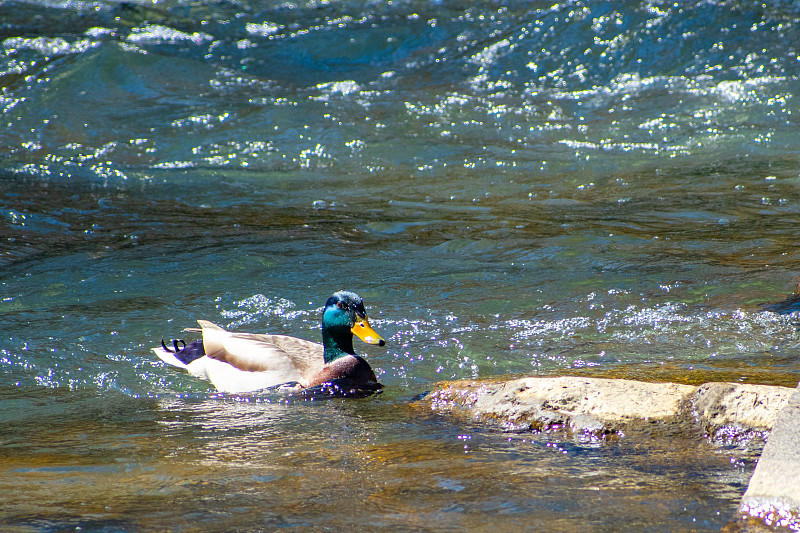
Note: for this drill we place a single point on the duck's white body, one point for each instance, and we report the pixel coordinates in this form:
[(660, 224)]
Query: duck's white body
[(247, 362)]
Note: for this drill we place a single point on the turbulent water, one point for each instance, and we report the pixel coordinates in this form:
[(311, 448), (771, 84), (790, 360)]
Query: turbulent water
[(536, 188)]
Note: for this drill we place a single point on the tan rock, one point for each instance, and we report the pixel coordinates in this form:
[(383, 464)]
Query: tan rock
[(611, 400), (748, 406), (773, 494), (604, 406)]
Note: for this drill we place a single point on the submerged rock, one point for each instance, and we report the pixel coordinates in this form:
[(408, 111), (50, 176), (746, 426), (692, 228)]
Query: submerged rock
[(606, 407)]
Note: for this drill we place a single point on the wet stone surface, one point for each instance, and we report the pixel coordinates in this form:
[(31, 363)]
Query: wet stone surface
[(724, 412)]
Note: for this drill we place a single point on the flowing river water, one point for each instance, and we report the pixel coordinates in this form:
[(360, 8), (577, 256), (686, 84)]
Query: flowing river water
[(537, 188)]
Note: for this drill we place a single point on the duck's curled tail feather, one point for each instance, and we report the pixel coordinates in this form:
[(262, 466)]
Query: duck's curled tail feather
[(180, 357)]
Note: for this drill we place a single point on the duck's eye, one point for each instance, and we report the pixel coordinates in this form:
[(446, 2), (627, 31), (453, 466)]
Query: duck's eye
[(341, 305)]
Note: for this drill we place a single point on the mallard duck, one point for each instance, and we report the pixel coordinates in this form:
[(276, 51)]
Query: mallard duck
[(246, 362)]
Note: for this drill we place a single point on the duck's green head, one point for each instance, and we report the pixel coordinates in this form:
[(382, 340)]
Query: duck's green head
[(343, 316)]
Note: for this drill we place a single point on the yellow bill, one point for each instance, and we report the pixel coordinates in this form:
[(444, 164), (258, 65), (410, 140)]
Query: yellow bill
[(364, 331)]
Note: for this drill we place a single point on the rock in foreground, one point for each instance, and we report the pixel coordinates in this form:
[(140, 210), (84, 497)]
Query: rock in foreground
[(603, 407), (773, 494)]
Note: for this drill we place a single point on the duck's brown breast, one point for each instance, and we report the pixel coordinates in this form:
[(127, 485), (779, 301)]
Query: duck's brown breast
[(352, 368)]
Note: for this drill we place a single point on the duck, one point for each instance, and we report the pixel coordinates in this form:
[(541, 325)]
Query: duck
[(238, 363)]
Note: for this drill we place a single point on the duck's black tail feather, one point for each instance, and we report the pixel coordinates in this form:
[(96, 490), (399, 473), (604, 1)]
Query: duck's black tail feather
[(189, 352)]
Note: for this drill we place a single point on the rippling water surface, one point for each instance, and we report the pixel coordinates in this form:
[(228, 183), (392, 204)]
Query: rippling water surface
[(538, 189)]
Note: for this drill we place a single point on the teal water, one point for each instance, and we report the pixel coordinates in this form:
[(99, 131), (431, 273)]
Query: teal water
[(532, 189)]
